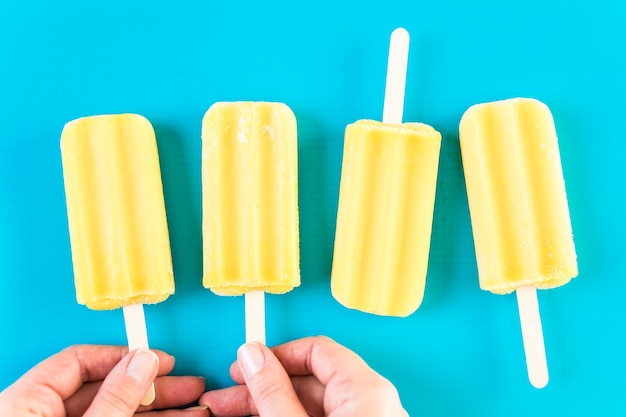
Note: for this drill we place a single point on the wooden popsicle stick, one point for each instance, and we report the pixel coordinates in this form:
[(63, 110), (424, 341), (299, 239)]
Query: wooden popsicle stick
[(255, 316), (395, 84), (532, 335), (137, 336)]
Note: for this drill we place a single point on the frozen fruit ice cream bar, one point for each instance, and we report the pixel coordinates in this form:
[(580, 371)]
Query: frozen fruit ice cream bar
[(386, 203), (518, 206), (116, 211), (250, 198), (385, 213)]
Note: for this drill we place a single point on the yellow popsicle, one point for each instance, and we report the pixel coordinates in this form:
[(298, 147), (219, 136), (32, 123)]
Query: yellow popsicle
[(384, 219), (519, 212), (116, 211), (518, 206), (250, 198)]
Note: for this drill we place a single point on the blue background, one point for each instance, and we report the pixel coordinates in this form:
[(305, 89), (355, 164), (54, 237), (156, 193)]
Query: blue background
[(461, 352)]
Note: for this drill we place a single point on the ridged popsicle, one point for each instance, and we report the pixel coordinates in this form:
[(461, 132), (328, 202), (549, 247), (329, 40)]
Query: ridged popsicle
[(116, 211), (516, 192), (385, 214), (518, 206), (250, 198)]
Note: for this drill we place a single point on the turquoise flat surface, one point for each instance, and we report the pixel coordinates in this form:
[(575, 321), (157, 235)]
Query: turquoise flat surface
[(461, 353)]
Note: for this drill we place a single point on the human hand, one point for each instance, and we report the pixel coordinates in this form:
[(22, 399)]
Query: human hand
[(93, 381), (308, 377)]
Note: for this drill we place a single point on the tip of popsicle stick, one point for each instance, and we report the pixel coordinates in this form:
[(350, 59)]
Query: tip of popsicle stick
[(150, 396), (400, 34), (538, 379)]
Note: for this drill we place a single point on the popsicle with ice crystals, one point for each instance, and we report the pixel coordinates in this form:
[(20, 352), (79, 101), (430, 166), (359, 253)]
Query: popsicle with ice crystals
[(386, 203), (116, 216), (250, 204), (518, 205)]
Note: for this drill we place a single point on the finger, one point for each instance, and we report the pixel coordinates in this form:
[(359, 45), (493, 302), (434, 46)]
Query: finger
[(69, 369), (176, 391), (229, 402), (268, 383), (66, 371), (235, 373), (340, 370), (236, 400), (311, 392), (319, 356), (77, 404), (171, 391), (198, 411), (124, 387)]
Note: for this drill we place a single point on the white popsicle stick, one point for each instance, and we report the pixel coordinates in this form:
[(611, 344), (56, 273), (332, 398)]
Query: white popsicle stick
[(393, 106), (137, 336), (255, 316), (532, 334)]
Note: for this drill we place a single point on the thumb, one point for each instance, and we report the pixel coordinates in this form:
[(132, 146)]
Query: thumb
[(123, 389), (268, 382)]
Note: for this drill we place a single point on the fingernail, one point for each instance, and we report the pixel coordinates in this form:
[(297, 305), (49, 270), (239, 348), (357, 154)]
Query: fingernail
[(142, 366), (197, 408), (251, 358)]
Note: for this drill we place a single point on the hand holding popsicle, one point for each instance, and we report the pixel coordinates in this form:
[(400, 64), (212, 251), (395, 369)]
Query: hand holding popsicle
[(91, 380), (314, 376)]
